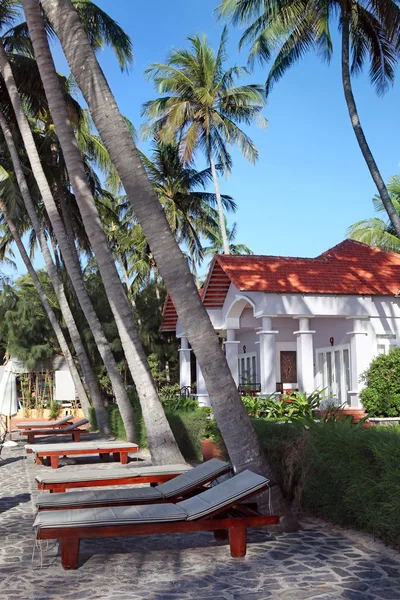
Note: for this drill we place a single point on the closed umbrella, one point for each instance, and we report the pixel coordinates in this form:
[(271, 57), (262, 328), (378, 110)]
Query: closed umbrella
[(8, 392)]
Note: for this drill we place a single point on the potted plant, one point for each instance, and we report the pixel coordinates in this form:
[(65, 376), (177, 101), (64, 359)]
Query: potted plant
[(212, 446)]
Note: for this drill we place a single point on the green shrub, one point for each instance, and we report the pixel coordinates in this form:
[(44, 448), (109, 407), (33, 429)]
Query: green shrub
[(55, 410), (382, 394), (273, 406), (188, 427)]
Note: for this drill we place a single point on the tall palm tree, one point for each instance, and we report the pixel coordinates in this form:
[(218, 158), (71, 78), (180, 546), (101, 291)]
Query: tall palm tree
[(162, 444), (204, 106), (370, 29), (229, 411), (59, 230), (7, 190), (216, 246), (376, 231), (58, 287), (190, 210)]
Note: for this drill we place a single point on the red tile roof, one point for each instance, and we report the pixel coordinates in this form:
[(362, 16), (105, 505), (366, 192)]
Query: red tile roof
[(350, 268)]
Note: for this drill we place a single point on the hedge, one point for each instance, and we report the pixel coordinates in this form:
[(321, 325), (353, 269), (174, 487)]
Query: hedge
[(346, 474), (187, 427)]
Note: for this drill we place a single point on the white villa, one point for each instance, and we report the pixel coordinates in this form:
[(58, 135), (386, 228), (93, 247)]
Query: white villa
[(298, 323)]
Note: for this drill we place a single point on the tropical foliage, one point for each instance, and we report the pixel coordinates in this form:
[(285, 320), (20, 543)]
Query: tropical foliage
[(202, 106), (377, 231)]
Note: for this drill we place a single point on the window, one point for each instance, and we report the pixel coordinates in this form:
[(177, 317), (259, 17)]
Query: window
[(334, 371), (247, 368)]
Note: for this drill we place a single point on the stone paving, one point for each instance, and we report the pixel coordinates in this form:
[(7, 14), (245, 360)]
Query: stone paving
[(319, 562)]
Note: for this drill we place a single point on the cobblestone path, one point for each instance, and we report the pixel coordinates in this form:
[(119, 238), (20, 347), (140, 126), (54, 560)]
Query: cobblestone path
[(316, 563)]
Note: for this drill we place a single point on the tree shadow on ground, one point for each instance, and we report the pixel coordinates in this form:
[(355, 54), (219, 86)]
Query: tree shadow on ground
[(8, 502)]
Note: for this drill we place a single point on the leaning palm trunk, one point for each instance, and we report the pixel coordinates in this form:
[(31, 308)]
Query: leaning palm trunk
[(232, 418), (58, 228), (49, 311), (59, 290), (162, 444), (221, 216), (358, 130)]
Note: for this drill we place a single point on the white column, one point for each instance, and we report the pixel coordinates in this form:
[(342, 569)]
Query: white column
[(184, 363), (231, 354), (267, 357), (202, 394), (360, 358), (305, 356)]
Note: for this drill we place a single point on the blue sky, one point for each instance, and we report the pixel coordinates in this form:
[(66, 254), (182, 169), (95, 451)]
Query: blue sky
[(310, 182)]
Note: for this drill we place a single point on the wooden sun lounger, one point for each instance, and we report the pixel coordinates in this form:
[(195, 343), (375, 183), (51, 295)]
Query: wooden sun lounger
[(63, 422), (218, 509), (181, 486), (119, 450), (73, 430), (61, 481)]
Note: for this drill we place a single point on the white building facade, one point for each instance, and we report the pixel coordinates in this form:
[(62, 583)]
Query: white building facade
[(291, 323)]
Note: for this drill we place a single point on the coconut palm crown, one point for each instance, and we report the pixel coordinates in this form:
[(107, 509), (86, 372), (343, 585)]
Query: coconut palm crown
[(202, 105), (369, 29)]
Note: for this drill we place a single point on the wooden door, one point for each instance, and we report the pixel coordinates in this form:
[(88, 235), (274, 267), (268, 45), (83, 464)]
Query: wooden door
[(288, 366)]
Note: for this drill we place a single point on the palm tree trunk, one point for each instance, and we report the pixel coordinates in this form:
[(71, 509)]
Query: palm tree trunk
[(221, 216), (162, 444), (75, 274), (232, 418), (49, 311), (58, 288), (358, 130)]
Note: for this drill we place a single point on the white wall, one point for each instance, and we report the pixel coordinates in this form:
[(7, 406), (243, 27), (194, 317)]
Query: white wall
[(64, 387)]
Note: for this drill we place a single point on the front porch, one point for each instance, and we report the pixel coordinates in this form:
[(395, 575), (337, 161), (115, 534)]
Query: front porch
[(274, 354)]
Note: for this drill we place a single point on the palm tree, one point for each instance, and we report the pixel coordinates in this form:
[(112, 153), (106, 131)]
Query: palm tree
[(369, 30), (376, 231), (204, 106), (59, 230), (7, 192), (58, 287), (216, 246), (228, 408), (157, 426), (181, 189)]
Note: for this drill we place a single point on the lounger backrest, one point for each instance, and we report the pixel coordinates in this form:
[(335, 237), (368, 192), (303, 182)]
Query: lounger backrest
[(45, 423), (75, 425), (216, 498), (196, 477)]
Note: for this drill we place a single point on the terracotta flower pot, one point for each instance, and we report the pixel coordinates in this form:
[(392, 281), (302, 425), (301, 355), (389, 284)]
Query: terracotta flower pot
[(211, 449)]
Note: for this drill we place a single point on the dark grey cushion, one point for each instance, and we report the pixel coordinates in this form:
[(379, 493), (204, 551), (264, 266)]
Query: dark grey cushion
[(196, 477), (45, 423), (70, 476), (116, 515), (233, 490), (92, 497)]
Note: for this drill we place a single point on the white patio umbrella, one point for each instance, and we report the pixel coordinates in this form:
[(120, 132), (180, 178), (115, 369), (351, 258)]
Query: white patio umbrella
[(8, 393)]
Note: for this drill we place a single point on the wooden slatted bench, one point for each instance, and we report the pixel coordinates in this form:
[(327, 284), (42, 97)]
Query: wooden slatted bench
[(74, 430), (119, 450)]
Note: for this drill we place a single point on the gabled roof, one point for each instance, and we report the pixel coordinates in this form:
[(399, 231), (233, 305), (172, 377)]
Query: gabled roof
[(350, 268), (169, 314)]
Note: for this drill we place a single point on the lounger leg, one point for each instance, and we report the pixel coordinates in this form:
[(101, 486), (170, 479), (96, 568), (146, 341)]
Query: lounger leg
[(124, 458), (54, 462), (221, 535), (237, 541), (69, 552), (38, 460), (31, 438), (76, 436)]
